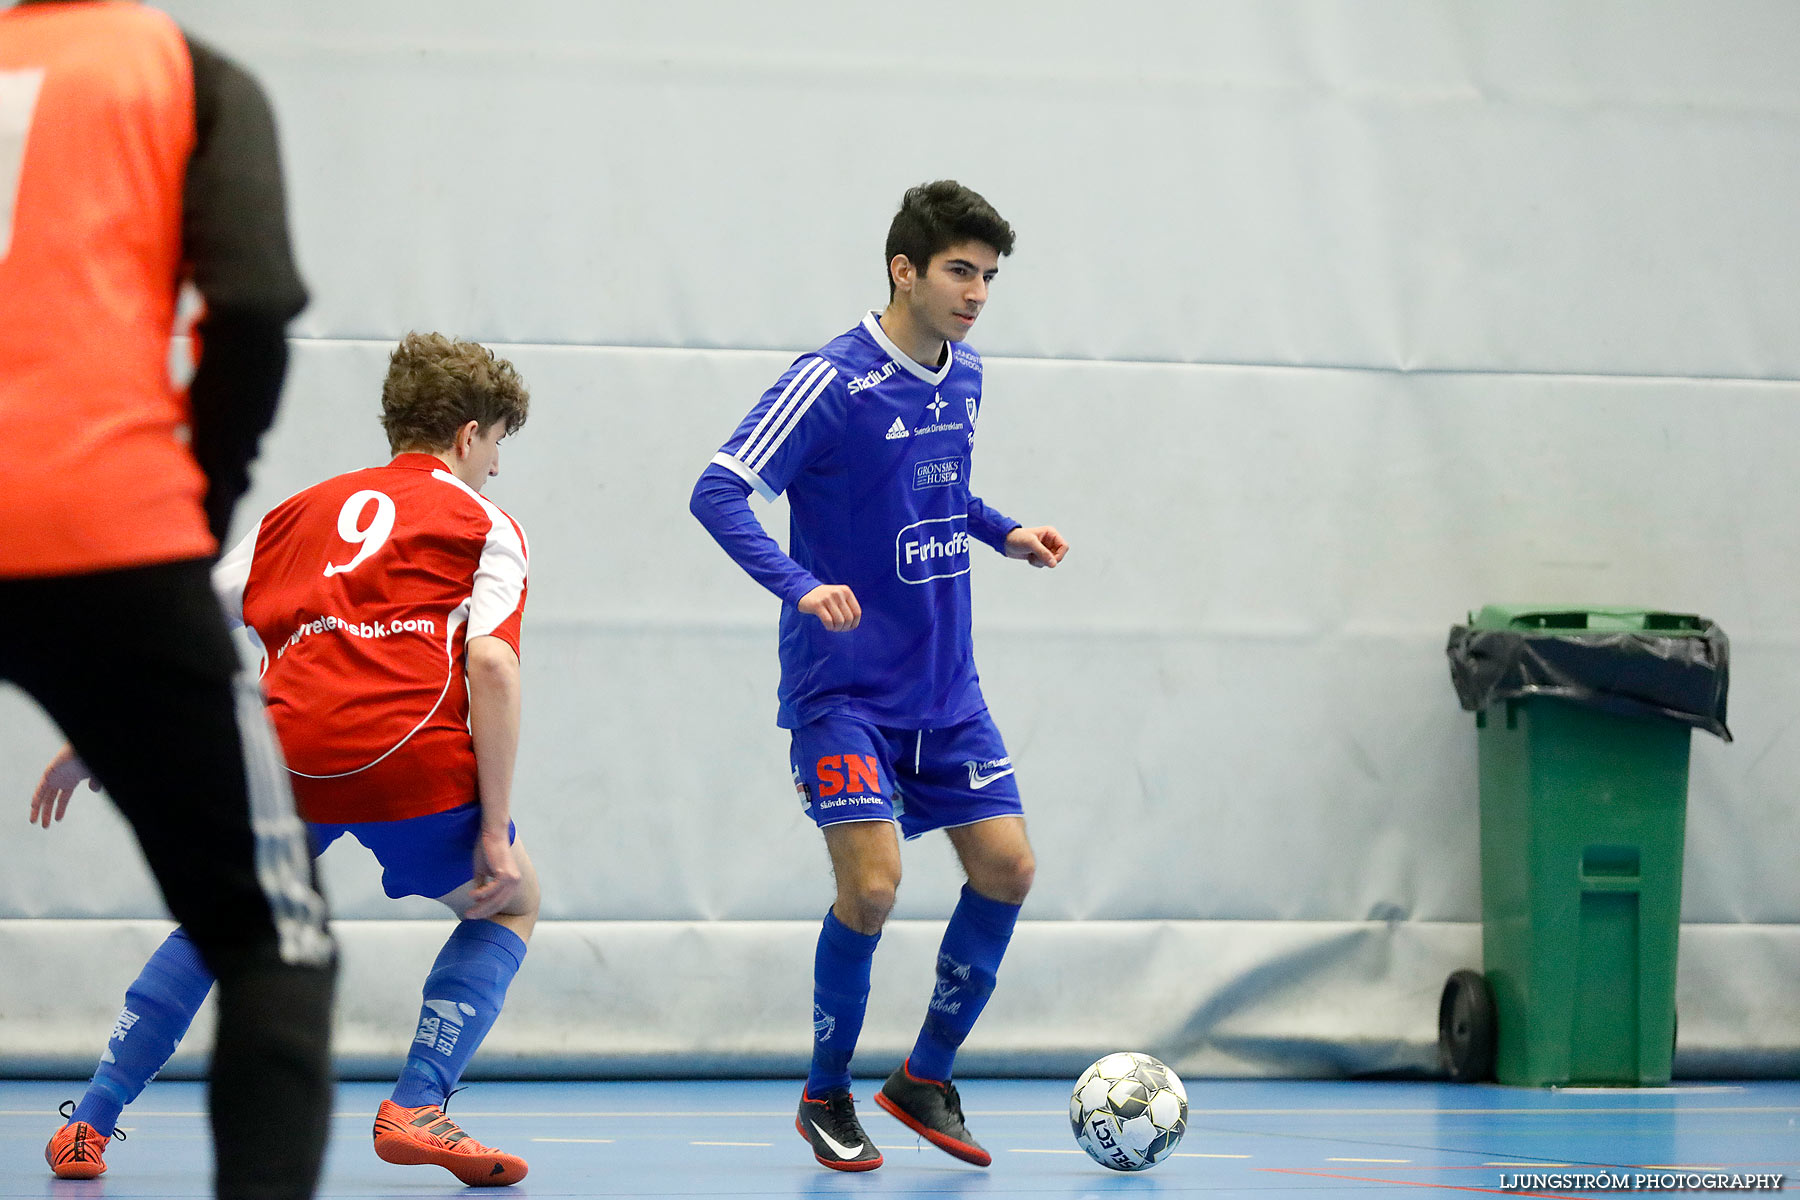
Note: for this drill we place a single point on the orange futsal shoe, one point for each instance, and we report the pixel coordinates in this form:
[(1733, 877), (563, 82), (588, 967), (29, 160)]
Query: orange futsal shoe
[(410, 1136), (74, 1151)]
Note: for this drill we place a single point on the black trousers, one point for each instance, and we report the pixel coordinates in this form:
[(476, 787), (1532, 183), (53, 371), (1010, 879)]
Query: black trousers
[(138, 669)]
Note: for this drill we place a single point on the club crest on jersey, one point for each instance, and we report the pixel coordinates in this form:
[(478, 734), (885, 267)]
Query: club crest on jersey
[(969, 403)]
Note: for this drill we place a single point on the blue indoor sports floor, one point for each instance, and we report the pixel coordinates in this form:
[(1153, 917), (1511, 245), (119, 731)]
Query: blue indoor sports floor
[(737, 1139)]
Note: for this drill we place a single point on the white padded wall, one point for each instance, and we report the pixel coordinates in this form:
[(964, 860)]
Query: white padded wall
[(1327, 324), (1579, 187)]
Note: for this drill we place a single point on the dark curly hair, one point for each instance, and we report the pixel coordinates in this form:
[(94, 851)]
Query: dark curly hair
[(936, 216), (435, 385)]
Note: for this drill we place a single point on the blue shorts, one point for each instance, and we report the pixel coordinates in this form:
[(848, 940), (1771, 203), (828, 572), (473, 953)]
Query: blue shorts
[(427, 856), (846, 769)]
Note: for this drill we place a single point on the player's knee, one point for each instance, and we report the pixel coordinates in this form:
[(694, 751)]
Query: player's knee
[(1024, 875), (865, 906), (1009, 878)]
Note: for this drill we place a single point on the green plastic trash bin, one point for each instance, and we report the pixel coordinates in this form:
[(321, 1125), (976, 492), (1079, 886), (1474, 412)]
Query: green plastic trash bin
[(1584, 720)]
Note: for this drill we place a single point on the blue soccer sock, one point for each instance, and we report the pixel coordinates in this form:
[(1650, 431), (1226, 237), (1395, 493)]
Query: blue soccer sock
[(463, 995), (159, 1006), (840, 997), (968, 961)]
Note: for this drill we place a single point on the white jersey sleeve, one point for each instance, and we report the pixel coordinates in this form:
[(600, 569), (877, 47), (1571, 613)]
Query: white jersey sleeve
[(497, 605), (231, 575)]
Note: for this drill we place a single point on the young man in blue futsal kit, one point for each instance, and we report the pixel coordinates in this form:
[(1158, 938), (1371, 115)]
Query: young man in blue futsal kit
[(871, 438), (388, 604)]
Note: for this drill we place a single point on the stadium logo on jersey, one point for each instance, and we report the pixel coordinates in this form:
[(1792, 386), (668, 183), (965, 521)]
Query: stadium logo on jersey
[(937, 472), (872, 378), (897, 430), (934, 549)]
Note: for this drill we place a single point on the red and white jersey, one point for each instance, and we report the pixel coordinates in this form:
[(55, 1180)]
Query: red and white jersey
[(364, 591)]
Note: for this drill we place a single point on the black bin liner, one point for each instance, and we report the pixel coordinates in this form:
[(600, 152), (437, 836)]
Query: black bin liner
[(1683, 676)]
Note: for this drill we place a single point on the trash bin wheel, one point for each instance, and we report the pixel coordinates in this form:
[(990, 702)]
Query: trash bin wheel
[(1467, 1031)]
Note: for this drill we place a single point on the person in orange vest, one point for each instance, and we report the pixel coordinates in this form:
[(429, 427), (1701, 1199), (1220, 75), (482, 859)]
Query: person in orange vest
[(134, 159)]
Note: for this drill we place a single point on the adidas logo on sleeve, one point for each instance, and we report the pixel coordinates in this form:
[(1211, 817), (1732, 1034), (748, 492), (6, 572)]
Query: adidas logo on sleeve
[(897, 430)]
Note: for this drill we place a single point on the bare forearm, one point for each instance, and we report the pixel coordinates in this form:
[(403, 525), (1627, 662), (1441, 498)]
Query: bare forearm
[(494, 725)]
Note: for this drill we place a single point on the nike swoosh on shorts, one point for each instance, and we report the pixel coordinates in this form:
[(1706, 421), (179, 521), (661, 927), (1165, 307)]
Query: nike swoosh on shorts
[(978, 781)]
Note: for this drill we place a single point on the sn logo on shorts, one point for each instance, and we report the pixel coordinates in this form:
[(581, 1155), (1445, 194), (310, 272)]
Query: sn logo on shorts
[(852, 773)]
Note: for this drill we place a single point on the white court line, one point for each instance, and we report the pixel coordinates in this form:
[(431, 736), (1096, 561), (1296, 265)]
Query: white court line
[(579, 1141), (1181, 1154), (1017, 1150), (1514, 1164), (1696, 1090), (731, 1143), (1370, 1160)]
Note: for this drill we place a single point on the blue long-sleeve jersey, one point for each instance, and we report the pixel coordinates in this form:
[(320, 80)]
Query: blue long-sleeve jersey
[(873, 452)]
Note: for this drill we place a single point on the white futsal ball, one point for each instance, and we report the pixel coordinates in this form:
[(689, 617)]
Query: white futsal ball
[(1128, 1111)]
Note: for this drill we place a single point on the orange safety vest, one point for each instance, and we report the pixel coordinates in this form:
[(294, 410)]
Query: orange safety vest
[(96, 129)]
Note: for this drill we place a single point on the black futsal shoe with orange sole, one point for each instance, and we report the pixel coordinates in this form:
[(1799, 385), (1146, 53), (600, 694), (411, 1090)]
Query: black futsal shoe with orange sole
[(932, 1110), (829, 1123)]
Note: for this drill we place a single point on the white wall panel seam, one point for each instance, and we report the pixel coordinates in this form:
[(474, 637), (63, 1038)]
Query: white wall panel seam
[(1197, 364)]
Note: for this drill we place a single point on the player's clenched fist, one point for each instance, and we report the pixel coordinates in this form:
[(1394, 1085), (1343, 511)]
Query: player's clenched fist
[(835, 605), (1041, 547), (497, 876)]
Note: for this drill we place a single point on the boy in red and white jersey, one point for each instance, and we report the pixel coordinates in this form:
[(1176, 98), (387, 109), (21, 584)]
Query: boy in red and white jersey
[(387, 603), (365, 591)]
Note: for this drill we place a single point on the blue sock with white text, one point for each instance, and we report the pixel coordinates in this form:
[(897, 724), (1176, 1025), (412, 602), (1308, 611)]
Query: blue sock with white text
[(840, 997), (159, 1006), (968, 961), (463, 995)]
